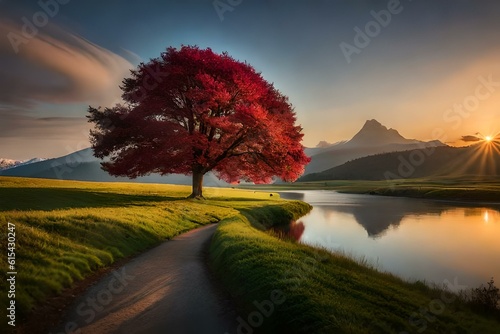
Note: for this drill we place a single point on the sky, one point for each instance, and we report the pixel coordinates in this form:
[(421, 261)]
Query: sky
[(430, 69)]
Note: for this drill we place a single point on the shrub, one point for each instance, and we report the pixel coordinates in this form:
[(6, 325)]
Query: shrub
[(486, 297)]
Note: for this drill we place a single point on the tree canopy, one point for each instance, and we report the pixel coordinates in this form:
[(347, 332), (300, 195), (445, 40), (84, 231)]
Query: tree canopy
[(192, 111)]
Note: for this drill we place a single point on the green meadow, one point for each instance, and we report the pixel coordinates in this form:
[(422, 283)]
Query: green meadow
[(66, 230)]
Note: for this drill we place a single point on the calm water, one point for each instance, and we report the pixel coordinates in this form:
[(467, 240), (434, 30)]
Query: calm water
[(415, 239)]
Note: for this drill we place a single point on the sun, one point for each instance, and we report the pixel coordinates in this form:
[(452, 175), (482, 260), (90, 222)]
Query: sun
[(488, 138)]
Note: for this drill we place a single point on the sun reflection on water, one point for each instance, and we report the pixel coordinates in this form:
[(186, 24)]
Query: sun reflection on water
[(491, 216)]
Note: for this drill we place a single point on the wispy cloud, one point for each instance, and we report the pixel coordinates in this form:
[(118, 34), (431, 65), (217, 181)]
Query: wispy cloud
[(45, 87), (470, 138), (58, 67), (16, 123), (24, 136)]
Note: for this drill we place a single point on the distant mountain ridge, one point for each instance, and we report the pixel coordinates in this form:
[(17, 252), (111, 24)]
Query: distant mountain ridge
[(443, 161), (9, 163), (83, 166), (372, 138)]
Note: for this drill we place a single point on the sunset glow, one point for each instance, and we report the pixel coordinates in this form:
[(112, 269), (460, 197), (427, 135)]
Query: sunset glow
[(331, 73), (250, 166)]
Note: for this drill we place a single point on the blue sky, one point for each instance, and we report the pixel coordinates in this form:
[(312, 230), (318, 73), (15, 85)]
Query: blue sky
[(413, 73)]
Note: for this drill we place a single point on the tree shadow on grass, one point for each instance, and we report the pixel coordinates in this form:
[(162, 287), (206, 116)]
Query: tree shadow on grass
[(48, 199)]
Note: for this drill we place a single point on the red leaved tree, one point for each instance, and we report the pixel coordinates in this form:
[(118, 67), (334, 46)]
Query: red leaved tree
[(192, 111)]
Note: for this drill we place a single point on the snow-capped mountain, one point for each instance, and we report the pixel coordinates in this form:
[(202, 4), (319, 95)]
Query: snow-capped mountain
[(9, 163)]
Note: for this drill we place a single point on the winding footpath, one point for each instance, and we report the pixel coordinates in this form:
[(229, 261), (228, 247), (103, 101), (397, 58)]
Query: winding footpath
[(165, 290)]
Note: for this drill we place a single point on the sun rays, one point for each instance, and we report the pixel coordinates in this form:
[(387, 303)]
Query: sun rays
[(487, 152), (483, 158)]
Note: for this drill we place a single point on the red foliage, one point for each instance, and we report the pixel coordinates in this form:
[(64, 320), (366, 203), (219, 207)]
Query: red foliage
[(191, 111)]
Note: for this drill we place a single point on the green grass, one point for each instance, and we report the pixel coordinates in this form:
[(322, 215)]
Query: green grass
[(324, 292), (65, 230)]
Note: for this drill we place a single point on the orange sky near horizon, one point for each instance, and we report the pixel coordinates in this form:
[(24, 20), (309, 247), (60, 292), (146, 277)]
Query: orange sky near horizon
[(432, 72)]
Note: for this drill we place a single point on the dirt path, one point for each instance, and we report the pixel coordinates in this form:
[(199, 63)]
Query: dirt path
[(165, 290)]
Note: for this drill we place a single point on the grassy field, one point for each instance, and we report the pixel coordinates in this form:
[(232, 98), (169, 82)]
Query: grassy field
[(469, 189), (285, 287), (65, 230)]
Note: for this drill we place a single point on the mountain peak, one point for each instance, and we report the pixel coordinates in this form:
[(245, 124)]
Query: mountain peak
[(9, 163), (373, 133), (373, 122)]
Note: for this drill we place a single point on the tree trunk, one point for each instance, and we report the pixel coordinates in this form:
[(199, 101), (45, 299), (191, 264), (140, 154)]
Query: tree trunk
[(197, 185)]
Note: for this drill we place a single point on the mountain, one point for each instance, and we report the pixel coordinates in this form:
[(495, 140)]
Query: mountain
[(375, 134), (9, 163), (311, 151), (480, 160), (83, 166), (373, 138)]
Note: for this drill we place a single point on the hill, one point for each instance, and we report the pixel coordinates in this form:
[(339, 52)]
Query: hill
[(478, 160), (9, 163), (373, 138), (83, 166)]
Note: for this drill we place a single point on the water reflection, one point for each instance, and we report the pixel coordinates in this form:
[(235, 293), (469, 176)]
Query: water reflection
[(296, 230), (374, 213), (415, 239)]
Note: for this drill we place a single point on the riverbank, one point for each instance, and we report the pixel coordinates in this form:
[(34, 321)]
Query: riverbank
[(283, 286), (66, 231), (466, 189)]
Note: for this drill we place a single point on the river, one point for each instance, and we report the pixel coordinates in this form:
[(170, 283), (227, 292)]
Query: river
[(415, 239)]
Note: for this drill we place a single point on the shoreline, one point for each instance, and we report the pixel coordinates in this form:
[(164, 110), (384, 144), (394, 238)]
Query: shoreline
[(463, 192), (348, 290)]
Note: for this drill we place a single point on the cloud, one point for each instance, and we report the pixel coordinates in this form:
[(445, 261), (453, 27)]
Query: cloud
[(25, 136), (16, 123), (58, 67), (46, 86), (470, 138)]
